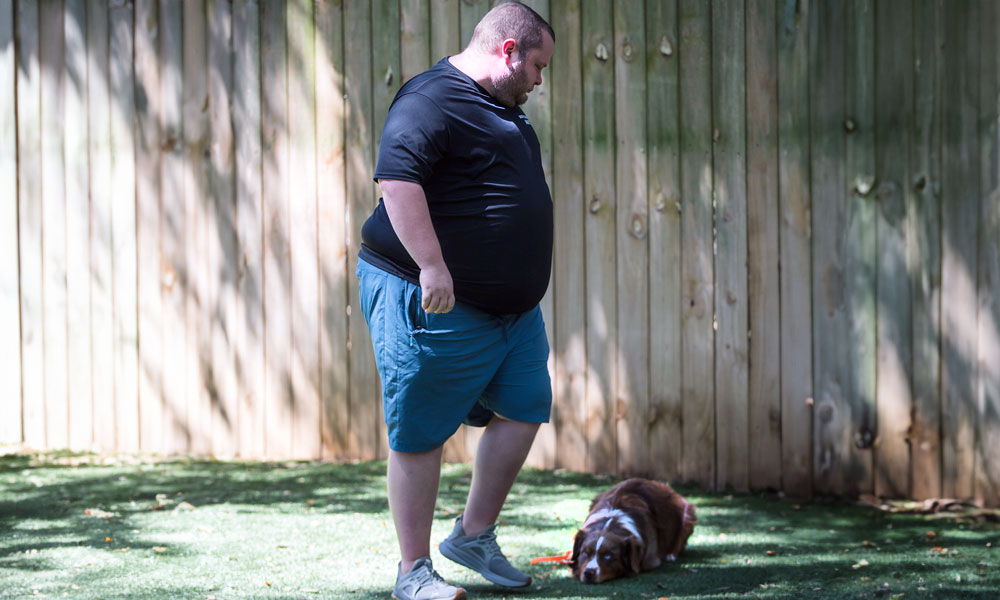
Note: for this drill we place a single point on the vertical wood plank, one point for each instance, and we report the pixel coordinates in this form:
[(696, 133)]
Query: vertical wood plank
[(51, 56), (248, 333), (631, 393), (857, 366), (445, 29), (10, 322), (697, 273), (414, 38), (795, 238), (359, 143), (732, 352), (831, 334), (333, 249), (471, 12), (173, 269), (893, 122), (123, 233), (197, 223), (278, 392), (30, 215), (147, 159), (222, 237), (79, 398), (765, 464), (101, 251), (303, 228), (959, 266), (987, 490), (568, 268), (599, 231), (663, 126), (925, 252)]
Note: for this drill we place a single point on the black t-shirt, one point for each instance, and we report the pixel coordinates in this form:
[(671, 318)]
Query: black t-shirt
[(480, 167)]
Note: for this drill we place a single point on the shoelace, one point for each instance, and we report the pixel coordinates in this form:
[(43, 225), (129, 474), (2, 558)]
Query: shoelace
[(427, 575)]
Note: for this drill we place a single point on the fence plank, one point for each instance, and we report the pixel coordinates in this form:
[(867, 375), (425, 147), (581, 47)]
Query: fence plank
[(732, 350), (174, 282), (101, 251), (10, 326), (631, 392), (763, 248), (248, 333), (79, 399), (925, 252), (414, 38), (51, 57), (568, 343), (662, 79), (29, 212), (697, 277), (445, 29), (364, 397), (222, 237), (599, 231), (123, 232), (893, 116), (960, 215), (332, 223), (987, 490), (147, 159), (471, 12)]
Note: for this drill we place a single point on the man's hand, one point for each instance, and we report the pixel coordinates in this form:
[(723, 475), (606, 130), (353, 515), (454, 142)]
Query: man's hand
[(436, 289)]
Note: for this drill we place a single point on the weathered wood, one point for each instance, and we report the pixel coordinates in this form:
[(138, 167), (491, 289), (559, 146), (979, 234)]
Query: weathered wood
[(925, 252), (222, 236), (359, 143), (631, 392), (79, 381), (303, 215), (663, 129), (857, 365), (147, 165), (414, 38), (248, 332), (333, 250), (893, 203), (960, 181), (445, 29), (568, 269), (123, 234), (197, 223), (101, 252), (173, 234), (732, 352), (764, 291), (697, 272), (471, 12), (599, 232), (987, 487), (51, 58), (10, 325)]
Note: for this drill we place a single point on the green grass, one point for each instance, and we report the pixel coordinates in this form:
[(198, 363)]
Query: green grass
[(89, 526)]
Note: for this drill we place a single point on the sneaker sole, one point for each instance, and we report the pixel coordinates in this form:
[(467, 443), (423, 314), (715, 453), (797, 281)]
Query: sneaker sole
[(459, 557), (459, 595)]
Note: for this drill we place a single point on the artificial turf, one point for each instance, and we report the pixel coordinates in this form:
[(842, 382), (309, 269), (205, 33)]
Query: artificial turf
[(96, 526)]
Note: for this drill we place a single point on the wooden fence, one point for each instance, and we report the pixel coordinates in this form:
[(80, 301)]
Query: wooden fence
[(776, 259)]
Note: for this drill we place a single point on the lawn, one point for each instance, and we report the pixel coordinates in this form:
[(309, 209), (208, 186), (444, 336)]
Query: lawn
[(92, 526)]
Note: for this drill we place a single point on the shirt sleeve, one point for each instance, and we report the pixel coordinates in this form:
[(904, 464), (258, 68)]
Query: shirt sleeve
[(414, 139)]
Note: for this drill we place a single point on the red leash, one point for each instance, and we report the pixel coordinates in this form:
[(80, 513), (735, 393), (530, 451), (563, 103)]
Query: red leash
[(562, 558)]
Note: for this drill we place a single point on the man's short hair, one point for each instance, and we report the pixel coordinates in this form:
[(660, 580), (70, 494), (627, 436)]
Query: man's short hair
[(511, 20)]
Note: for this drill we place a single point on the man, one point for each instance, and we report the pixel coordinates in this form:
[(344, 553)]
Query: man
[(453, 263)]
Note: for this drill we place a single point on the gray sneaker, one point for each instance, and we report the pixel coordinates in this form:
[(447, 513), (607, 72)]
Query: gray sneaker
[(482, 554), (423, 583)]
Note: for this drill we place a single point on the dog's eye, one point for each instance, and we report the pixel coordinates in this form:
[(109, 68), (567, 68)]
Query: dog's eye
[(607, 557)]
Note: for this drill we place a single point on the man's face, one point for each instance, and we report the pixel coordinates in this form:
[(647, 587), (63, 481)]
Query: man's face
[(525, 72)]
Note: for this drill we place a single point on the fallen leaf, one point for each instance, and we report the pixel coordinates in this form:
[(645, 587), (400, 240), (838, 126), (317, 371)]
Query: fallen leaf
[(771, 552), (861, 564), (159, 549), (107, 539), (931, 535)]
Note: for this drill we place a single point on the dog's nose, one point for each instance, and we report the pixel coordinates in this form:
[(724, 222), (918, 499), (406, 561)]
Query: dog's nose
[(590, 575)]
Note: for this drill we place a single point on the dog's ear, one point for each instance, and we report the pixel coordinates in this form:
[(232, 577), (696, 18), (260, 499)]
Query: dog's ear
[(632, 557), (577, 544)]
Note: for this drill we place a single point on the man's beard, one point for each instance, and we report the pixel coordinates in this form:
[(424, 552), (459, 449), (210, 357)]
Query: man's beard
[(512, 89)]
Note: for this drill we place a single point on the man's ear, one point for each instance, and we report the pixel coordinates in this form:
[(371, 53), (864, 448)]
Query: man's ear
[(507, 48)]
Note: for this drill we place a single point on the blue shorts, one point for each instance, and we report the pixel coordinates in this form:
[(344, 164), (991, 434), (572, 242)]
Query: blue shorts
[(437, 369)]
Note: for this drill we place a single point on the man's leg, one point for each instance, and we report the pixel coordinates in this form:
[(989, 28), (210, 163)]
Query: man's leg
[(413, 479), (501, 453)]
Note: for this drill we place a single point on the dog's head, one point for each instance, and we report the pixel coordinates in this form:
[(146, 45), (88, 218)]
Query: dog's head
[(606, 553)]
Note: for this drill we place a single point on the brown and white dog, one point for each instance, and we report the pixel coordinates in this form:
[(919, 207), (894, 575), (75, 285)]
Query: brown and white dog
[(634, 526)]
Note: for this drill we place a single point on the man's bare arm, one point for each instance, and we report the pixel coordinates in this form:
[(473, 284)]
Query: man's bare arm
[(406, 205)]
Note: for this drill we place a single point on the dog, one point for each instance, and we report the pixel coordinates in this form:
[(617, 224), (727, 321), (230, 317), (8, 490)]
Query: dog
[(635, 526)]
